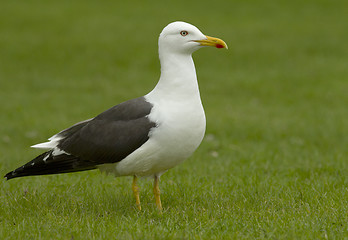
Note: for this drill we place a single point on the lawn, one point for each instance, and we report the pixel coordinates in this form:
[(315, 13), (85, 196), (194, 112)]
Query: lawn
[(273, 164)]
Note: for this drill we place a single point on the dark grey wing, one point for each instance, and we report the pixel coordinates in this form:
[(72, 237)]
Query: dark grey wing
[(107, 138), (113, 134)]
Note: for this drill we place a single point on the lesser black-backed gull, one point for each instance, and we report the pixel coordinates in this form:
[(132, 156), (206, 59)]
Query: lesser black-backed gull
[(144, 136)]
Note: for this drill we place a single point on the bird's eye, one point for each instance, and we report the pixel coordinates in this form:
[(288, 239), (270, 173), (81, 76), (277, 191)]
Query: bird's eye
[(183, 33)]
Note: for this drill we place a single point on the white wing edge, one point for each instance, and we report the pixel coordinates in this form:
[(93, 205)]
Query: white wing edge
[(53, 142)]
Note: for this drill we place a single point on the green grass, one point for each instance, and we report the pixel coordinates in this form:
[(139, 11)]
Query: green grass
[(273, 164)]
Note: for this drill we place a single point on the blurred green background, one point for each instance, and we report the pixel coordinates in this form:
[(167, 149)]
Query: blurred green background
[(273, 164)]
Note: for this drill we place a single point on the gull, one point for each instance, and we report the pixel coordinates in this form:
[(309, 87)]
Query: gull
[(142, 137)]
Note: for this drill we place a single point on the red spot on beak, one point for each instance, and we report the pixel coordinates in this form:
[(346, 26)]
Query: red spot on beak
[(219, 46)]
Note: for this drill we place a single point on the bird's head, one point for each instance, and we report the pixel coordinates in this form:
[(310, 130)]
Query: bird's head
[(181, 37)]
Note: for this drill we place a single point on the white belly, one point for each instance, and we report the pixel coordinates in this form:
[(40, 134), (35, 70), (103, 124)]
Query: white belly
[(178, 134)]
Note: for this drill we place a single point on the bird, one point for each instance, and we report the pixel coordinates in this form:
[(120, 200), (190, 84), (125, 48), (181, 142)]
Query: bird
[(141, 137)]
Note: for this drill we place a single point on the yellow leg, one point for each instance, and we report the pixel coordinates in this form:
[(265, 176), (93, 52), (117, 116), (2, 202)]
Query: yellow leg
[(157, 193), (135, 189)]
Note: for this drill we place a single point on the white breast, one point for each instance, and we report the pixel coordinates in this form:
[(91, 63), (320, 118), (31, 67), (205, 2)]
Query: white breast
[(180, 130)]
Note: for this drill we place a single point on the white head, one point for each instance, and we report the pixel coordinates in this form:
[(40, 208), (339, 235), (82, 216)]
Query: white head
[(184, 38)]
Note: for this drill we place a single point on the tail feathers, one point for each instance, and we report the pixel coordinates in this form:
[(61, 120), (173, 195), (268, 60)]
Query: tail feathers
[(47, 163)]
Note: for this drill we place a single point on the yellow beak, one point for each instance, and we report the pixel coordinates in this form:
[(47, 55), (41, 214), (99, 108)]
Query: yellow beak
[(213, 42)]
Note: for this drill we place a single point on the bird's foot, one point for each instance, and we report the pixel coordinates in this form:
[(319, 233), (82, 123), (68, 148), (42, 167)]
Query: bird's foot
[(157, 193), (136, 191)]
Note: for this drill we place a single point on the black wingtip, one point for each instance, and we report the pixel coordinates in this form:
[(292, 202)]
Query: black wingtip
[(9, 175), (14, 174), (47, 163)]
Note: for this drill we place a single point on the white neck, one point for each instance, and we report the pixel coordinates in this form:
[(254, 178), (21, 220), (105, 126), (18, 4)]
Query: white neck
[(178, 77)]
